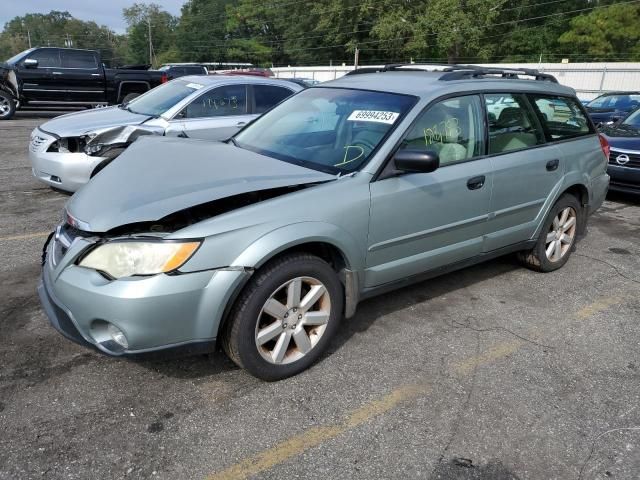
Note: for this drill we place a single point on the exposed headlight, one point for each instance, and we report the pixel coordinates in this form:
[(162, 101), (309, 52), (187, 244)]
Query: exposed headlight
[(92, 149), (126, 258)]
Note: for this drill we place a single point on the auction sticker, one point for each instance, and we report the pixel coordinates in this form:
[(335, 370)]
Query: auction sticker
[(373, 116), (195, 86)]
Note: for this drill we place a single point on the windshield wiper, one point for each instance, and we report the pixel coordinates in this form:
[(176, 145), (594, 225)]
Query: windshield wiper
[(233, 140)]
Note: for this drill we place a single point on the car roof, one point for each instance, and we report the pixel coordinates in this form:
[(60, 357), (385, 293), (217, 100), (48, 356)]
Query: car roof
[(219, 78), (430, 83)]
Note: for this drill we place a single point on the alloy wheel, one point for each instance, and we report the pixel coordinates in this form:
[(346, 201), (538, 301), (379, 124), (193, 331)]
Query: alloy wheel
[(5, 107), (292, 320), (561, 234)]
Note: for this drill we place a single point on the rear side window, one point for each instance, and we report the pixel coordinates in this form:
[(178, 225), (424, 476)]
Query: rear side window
[(47, 58), (512, 123), (452, 128), (78, 59), (266, 96), (561, 116)]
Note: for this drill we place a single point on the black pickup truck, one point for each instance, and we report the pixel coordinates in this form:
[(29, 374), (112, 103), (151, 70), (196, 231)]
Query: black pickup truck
[(46, 76)]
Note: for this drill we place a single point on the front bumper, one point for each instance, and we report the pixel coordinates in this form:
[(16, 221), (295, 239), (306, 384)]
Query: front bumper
[(66, 171), (155, 313), (624, 179)]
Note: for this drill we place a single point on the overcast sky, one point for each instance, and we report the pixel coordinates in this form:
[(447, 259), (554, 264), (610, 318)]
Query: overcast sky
[(103, 12)]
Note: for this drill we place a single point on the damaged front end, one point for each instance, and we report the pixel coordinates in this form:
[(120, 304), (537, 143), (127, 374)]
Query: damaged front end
[(9, 81), (111, 142)]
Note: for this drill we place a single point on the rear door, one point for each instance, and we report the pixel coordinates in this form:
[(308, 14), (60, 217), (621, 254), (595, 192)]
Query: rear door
[(216, 114), (38, 82), (80, 76), (526, 170), (423, 221)]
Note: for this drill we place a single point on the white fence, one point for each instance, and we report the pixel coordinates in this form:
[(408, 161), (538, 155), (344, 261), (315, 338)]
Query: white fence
[(588, 79)]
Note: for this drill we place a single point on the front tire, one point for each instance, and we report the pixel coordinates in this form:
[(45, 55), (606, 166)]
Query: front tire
[(7, 106), (557, 238), (285, 317)]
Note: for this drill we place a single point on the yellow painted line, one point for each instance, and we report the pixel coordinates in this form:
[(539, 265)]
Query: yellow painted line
[(315, 436), (493, 354), (25, 236), (298, 444), (596, 307)]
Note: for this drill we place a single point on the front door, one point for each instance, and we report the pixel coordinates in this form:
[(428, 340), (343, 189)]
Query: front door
[(422, 221), (215, 115), (38, 82)]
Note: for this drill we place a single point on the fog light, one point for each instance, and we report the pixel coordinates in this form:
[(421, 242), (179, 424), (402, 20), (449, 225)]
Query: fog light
[(117, 336)]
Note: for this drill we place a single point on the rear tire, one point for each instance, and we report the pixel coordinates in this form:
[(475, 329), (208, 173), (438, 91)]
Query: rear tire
[(285, 317), (7, 106), (557, 237)]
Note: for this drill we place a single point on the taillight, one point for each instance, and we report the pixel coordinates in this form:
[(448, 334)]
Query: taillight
[(164, 78), (604, 144)]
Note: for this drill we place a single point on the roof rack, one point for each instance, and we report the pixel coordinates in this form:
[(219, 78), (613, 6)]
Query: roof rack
[(460, 72)]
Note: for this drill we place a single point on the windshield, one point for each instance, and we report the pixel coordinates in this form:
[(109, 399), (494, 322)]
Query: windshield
[(633, 120), (16, 58), (157, 101), (329, 129), (621, 101)]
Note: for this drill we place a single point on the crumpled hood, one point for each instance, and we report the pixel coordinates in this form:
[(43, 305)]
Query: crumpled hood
[(79, 123), (158, 176)]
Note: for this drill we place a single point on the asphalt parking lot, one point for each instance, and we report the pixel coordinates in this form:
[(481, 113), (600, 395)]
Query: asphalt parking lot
[(493, 372)]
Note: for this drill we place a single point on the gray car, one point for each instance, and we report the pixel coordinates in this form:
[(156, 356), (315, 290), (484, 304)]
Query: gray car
[(341, 192), (69, 150)]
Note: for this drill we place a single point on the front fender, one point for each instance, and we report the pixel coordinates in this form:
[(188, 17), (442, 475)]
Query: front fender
[(281, 239)]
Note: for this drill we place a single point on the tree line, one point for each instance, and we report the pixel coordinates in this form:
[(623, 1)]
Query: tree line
[(320, 32)]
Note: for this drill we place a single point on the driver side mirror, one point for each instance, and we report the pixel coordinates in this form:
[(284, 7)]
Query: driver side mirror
[(416, 161), (30, 63)]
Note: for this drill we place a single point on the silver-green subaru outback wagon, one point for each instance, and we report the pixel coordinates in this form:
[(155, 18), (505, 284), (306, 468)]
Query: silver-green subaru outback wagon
[(265, 242)]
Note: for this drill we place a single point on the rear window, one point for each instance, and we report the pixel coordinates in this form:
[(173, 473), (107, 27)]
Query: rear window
[(561, 116)]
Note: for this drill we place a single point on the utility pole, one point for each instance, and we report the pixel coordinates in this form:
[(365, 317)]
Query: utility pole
[(29, 37), (150, 42), (355, 59)]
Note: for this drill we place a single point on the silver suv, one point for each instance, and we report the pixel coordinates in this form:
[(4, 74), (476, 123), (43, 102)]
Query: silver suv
[(345, 190)]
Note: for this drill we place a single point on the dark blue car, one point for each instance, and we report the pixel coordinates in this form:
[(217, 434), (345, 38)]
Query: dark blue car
[(612, 106), (624, 157)]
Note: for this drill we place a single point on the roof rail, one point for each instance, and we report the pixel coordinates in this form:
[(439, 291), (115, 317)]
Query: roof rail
[(459, 72)]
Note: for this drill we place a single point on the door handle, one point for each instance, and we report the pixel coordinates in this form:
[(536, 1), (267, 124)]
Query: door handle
[(553, 165), (57, 73), (476, 182), (95, 75)]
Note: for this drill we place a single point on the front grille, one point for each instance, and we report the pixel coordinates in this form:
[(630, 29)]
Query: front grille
[(37, 142), (64, 236), (634, 159)]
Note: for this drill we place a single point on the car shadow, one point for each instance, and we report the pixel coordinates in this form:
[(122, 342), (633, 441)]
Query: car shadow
[(368, 313), (370, 310)]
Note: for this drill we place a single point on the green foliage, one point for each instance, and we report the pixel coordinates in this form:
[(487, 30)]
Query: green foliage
[(144, 20), (58, 29), (606, 34), (308, 32)]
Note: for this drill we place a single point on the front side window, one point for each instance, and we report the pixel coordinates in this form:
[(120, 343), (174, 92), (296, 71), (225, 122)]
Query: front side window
[(512, 123), (78, 59), (452, 128), (47, 58), (219, 102), (266, 96), (561, 116), (329, 129)]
